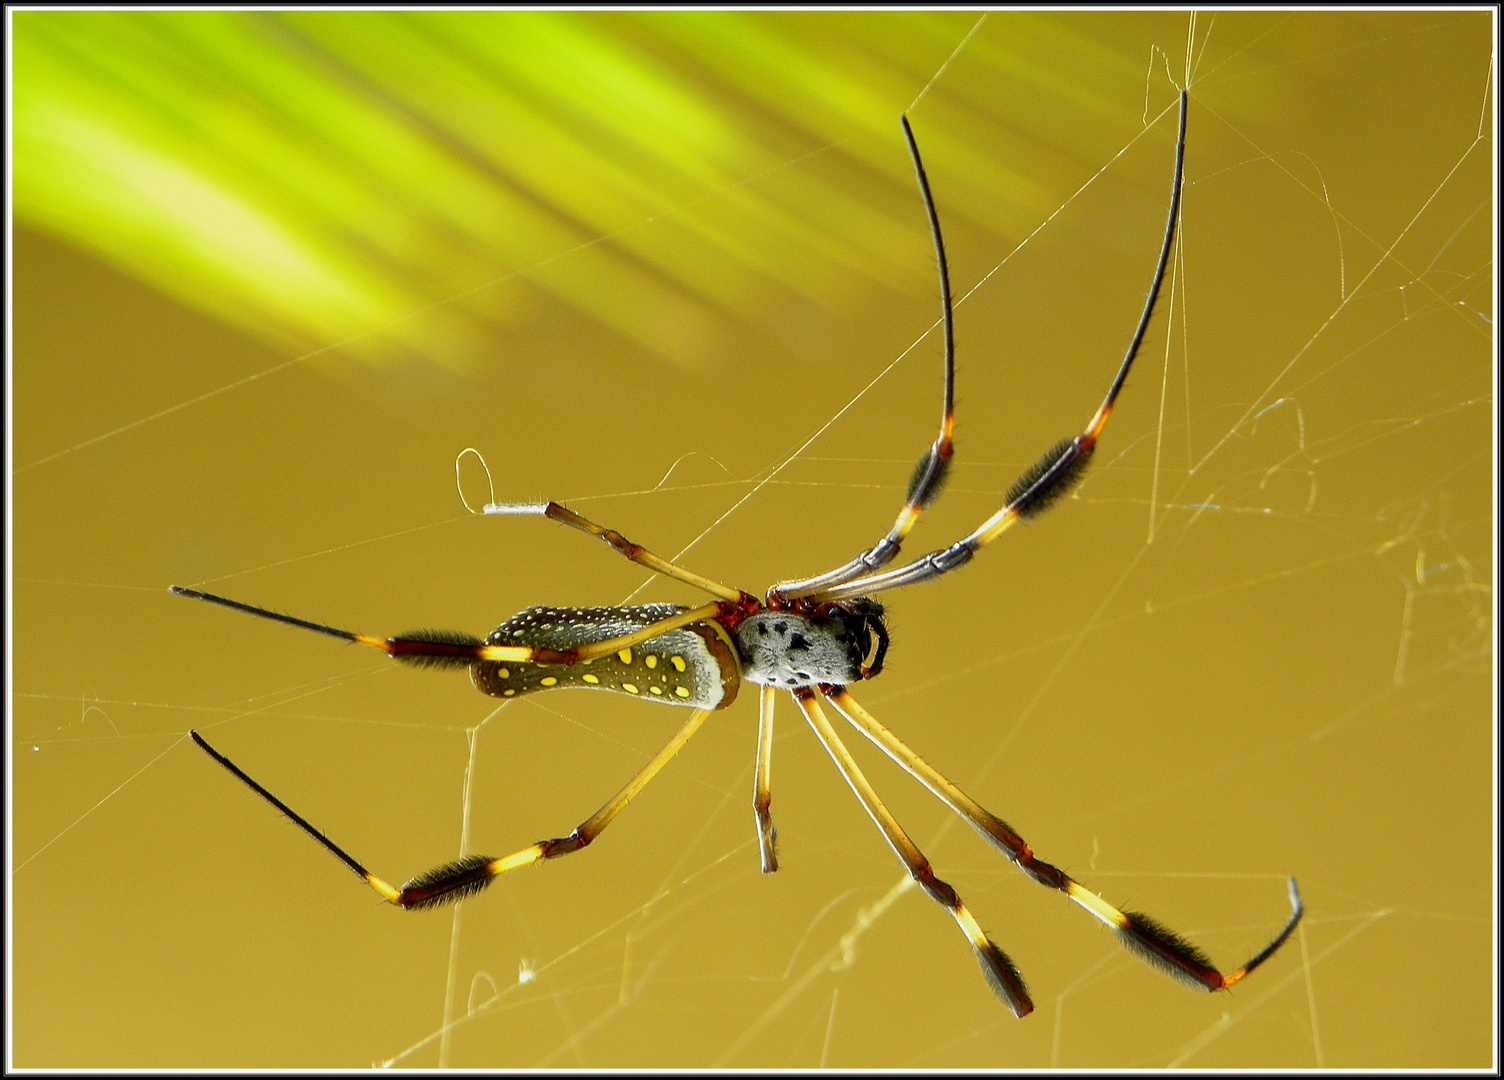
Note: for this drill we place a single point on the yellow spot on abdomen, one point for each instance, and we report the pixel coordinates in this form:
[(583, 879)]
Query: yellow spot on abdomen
[(507, 693), (651, 661), (678, 662), (655, 690), (681, 691), (625, 656), (550, 681), (629, 688), (591, 679), (504, 673)]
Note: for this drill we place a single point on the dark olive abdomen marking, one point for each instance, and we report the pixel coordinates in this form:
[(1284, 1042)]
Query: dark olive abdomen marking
[(695, 665)]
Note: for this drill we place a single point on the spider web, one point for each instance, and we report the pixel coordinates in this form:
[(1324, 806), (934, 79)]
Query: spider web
[(1257, 643)]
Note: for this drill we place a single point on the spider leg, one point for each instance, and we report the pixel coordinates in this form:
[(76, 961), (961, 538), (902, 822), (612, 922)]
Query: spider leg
[(1138, 933), (762, 779), (456, 880), (1048, 479), (998, 969), (638, 554), (297, 819), (449, 648), (931, 469)]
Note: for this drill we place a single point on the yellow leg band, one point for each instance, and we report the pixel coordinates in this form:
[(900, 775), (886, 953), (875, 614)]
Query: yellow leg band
[(383, 888), (970, 926), (1097, 906), (521, 858)]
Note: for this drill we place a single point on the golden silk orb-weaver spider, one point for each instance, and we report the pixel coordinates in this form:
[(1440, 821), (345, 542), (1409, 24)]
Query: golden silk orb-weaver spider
[(813, 638)]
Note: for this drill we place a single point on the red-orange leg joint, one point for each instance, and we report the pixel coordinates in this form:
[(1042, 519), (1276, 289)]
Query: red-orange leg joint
[(1041, 872), (936, 889), (622, 544), (730, 613)]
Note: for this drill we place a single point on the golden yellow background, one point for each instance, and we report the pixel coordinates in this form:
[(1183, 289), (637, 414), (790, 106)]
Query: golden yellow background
[(273, 272)]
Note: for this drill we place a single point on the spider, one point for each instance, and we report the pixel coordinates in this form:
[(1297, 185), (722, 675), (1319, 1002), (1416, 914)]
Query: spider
[(813, 637)]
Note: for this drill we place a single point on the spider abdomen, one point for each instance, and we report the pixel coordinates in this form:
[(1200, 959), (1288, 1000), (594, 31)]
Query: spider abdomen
[(694, 665), (784, 649)]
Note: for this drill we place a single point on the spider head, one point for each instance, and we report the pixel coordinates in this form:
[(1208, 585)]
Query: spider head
[(823, 644)]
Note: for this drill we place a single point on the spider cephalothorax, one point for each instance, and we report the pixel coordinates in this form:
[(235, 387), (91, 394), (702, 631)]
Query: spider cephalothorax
[(810, 645)]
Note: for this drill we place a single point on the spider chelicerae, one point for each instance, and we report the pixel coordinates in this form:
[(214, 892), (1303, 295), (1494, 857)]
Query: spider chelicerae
[(812, 638)]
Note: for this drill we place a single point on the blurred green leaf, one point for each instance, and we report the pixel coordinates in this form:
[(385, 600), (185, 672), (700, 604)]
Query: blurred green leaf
[(314, 177)]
